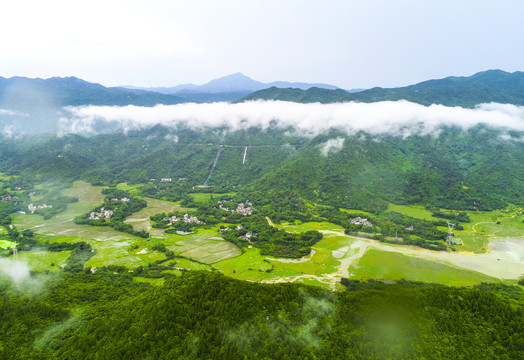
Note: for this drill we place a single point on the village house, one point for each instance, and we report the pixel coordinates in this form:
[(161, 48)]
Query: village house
[(242, 208), (103, 214), (8, 197), (186, 218), (361, 221), (33, 208)]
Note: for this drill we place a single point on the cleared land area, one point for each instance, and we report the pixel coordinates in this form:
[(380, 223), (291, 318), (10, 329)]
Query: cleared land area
[(493, 248), (379, 264), (140, 220), (62, 224), (203, 246), (44, 260)]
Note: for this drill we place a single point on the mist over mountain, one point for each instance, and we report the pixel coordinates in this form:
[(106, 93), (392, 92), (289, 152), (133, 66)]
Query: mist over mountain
[(23, 92), (72, 105), (36, 105)]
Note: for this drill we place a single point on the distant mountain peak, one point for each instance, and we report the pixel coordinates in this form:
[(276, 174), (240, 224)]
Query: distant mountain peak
[(236, 82)]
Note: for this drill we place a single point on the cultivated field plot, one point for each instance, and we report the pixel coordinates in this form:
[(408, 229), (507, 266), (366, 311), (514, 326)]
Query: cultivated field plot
[(204, 246), (384, 265), (120, 253), (62, 224)]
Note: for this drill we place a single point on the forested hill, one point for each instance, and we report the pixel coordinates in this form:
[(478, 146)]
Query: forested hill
[(483, 87), (480, 169), (21, 92), (203, 315)]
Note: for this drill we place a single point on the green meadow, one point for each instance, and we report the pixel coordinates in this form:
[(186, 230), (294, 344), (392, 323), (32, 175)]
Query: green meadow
[(44, 260), (384, 265), (5, 244)]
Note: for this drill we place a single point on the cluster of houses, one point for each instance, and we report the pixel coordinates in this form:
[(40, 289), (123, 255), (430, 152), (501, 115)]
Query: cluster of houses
[(103, 214), (246, 208), (360, 221), (248, 236), (167, 179), (186, 218), (33, 208), (7, 198), (124, 199)]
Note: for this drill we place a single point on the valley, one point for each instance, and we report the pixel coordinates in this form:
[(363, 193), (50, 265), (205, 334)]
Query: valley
[(493, 249)]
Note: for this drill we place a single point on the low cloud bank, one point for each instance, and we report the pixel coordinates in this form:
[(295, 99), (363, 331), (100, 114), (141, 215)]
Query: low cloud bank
[(387, 117)]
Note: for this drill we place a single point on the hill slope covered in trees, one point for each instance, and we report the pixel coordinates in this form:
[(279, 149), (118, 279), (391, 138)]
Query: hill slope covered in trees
[(204, 315), (484, 87)]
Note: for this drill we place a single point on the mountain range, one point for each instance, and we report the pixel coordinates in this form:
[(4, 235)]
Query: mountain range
[(22, 92), (36, 105), (227, 88), (233, 83), (483, 87)]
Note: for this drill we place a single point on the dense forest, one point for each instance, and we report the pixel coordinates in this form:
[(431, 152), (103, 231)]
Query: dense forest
[(202, 315), (478, 169)]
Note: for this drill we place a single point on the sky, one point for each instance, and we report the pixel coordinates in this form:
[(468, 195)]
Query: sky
[(347, 43)]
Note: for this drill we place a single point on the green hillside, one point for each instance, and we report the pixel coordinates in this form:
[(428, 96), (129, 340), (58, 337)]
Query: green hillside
[(474, 170), (484, 87), (204, 315), (22, 93)]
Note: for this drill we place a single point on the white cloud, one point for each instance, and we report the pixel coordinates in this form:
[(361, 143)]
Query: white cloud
[(331, 146), (19, 274), (12, 113), (8, 131), (387, 117)]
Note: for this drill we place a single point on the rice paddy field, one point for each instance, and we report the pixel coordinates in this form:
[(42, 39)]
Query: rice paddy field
[(492, 250)]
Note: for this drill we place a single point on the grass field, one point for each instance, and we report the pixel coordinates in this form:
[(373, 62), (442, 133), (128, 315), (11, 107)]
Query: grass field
[(204, 197), (131, 188), (325, 261), (319, 226), (156, 282), (188, 264), (377, 264), (119, 253), (416, 211), (483, 228), (43, 260), (251, 266), (5, 244)]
